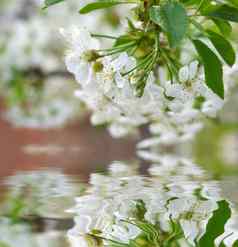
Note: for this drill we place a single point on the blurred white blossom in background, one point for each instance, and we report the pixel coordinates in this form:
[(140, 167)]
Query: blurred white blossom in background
[(34, 82)]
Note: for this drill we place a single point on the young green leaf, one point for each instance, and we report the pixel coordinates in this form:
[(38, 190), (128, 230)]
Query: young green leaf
[(99, 5), (212, 67), (223, 12), (224, 26), (173, 19), (216, 224), (223, 46), (51, 2), (155, 15)]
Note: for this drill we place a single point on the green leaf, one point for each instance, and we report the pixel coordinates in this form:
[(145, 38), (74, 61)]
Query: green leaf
[(190, 2), (212, 67), (203, 4), (233, 2), (155, 15), (223, 46), (140, 210), (151, 232), (173, 19), (223, 12), (99, 5), (235, 244), (224, 26), (51, 2), (216, 224)]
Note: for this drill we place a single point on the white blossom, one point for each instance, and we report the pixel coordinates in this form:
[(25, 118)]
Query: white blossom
[(110, 94)]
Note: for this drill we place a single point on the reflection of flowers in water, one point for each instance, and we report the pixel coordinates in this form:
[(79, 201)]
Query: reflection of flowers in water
[(162, 209), (15, 235), (172, 206), (231, 232), (20, 234), (170, 165), (39, 193), (33, 212)]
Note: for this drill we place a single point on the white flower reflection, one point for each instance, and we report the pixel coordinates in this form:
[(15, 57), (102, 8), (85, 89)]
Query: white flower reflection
[(39, 193), (119, 209), (21, 234)]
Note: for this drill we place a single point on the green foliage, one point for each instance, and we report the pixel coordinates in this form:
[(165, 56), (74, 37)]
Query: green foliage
[(216, 224), (223, 46), (18, 88), (151, 232), (224, 26), (173, 19), (51, 2), (235, 244), (15, 211), (99, 5), (141, 210), (224, 12), (212, 67)]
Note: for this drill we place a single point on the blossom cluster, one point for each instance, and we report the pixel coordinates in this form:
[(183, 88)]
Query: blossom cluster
[(108, 87), (124, 208)]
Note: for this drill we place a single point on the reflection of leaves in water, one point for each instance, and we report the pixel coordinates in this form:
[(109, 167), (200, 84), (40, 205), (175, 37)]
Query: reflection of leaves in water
[(235, 244), (216, 224)]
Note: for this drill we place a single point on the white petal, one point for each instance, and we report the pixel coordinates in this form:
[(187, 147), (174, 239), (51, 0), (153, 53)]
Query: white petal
[(184, 74), (193, 69)]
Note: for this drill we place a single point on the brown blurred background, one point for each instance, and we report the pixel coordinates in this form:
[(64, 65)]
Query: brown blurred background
[(78, 148)]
